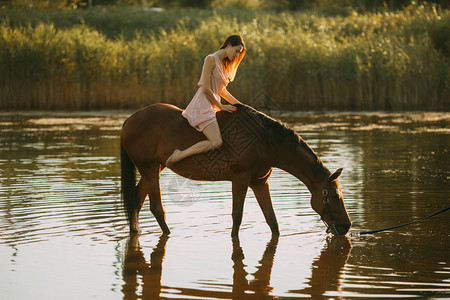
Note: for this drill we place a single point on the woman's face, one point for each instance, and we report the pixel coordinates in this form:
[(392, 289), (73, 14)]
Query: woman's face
[(233, 51)]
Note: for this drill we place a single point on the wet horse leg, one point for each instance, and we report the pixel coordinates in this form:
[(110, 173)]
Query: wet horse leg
[(262, 193), (239, 188), (154, 193), (142, 193)]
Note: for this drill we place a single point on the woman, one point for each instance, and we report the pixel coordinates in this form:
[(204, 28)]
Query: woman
[(219, 69)]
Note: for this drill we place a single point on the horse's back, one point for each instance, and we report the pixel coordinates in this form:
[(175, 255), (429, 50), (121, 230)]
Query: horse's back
[(154, 132), (155, 113)]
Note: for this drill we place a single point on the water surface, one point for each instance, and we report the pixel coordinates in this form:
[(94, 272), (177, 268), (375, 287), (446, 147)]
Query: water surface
[(64, 234)]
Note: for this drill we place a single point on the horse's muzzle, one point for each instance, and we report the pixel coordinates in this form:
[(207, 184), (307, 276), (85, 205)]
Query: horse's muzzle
[(339, 228)]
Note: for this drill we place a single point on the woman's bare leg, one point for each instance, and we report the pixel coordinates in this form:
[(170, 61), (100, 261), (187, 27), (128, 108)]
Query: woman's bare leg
[(214, 141)]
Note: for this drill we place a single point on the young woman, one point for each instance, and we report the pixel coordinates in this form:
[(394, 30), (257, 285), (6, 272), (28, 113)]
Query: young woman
[(219, 69)]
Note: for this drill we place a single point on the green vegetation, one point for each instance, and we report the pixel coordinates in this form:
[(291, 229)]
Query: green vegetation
[(126, 57), (327, 5)]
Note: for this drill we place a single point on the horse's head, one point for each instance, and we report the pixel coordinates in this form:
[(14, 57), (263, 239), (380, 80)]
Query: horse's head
[(328, 202)]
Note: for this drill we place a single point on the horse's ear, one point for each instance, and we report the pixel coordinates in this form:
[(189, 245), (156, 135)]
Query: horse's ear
[(335, 175)]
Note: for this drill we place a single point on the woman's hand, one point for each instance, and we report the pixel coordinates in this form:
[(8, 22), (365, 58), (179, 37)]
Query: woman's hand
[(227, 96), (228, 108)]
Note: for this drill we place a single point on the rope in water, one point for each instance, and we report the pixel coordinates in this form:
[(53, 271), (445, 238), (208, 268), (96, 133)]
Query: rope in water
[(406, 224)]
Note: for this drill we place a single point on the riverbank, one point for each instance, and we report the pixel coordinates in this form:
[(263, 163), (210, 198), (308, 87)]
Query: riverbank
[(127, 58)]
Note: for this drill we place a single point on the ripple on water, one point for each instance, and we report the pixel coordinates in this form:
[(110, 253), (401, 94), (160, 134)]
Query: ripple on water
[(63, 224)]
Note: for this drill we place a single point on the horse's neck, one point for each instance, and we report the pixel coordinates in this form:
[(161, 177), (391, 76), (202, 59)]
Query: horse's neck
[(300, 161)]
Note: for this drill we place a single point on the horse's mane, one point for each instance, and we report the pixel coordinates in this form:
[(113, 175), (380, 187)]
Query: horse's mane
[(282, 133)]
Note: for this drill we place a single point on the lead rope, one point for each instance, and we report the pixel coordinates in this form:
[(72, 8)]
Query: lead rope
[(406, 224)]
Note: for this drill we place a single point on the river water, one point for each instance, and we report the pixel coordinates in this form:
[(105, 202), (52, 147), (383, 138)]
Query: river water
[(63, 233)]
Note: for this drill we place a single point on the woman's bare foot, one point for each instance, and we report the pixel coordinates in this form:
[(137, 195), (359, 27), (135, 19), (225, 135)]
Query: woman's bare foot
[(174, 158)]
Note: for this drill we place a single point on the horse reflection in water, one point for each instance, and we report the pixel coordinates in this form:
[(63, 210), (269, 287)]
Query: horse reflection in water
[(260, 286), (135, 265), (327, 269), (326, 272)]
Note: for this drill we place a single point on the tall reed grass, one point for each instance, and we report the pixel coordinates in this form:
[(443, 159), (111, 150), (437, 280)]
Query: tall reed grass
[(390, 60)]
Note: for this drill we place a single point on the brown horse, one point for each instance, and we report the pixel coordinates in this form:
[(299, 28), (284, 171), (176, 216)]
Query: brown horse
[(253, 144)]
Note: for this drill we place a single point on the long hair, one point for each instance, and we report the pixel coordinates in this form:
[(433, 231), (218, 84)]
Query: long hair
[(231, 66)]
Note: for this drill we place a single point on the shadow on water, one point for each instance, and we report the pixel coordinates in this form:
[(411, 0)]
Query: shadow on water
[(142, 278)]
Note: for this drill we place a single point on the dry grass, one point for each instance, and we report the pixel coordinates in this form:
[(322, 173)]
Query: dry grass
[(391, 60)]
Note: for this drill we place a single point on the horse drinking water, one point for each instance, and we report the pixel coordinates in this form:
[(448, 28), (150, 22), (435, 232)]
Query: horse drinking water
[(253, 144)]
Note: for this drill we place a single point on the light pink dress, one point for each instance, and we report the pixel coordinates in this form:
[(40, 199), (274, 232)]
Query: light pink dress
[(201, 112)]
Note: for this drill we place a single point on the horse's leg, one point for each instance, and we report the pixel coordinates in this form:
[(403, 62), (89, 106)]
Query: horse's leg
[(262, 193), (239, 188), (154, 194), (142, 193)]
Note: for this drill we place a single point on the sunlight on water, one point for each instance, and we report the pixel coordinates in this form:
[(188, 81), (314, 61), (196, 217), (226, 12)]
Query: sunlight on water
[(65, 236)]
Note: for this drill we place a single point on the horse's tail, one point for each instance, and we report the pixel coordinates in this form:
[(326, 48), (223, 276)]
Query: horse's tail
[(128, 181)]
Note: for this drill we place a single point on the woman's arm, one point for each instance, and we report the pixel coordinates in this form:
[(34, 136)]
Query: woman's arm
[(206, 80), (230, 98), (206, 85)]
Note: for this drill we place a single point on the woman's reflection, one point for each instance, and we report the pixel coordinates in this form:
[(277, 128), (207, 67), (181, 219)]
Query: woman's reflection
[(260, 286), (327, 269), (134, 265)]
